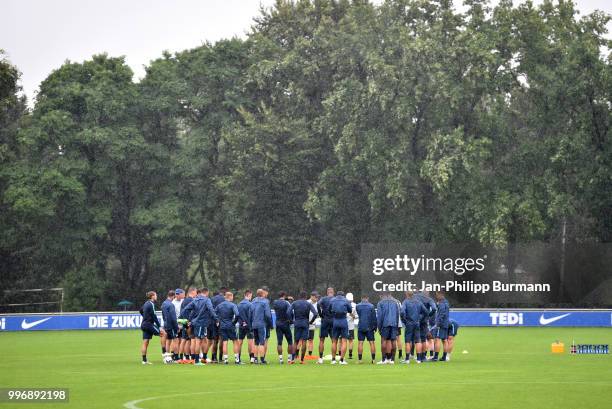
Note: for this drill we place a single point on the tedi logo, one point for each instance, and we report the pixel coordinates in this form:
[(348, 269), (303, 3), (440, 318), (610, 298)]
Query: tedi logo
[(506, 318), (3, 323)]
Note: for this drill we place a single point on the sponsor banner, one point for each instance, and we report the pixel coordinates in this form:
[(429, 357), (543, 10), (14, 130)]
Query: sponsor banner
[(42, 322), (533, 318), (70, 321), (468, 318)]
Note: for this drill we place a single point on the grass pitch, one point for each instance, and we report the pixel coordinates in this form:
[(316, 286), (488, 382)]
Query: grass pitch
[(505, 368)]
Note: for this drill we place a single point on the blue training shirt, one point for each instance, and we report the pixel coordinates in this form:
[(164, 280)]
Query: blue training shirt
[(217, 299), (260, 314), (412, 311), (443, 314), (339, 307), (244, 308), (429, 304), (367, 316), (186, 302), (201, 311), (281, 308), (300, 311), (228, 314), (323, 307), (169, 315), (148, 314), (387, 312)]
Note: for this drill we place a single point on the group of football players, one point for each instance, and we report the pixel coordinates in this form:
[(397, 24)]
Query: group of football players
[(198, 326)]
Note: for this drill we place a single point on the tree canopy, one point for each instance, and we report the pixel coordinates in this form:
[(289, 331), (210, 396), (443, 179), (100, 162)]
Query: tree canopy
[(273, 159)]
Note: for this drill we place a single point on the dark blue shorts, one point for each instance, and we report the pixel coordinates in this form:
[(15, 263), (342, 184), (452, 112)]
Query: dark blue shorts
[(284, 331), (326, 328), (412, 333), (171, 333), (452, 330), (186, 333), (213, 331), (149, 330), (228, 333), (340, 331), (365, 334), (441, 333), (423, 330), (245, 332), (259, 334), (389, 333), (199, 331), (301, 333)]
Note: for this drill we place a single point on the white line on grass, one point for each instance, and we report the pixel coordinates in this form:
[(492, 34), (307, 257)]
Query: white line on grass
[(133, 404)]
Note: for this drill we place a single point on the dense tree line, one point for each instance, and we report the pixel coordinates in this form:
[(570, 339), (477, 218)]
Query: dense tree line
[(334, 123)]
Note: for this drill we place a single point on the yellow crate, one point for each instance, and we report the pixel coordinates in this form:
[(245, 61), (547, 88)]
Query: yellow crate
[(557, 348)]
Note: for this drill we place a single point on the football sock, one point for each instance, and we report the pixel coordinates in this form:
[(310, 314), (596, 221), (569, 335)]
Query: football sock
[(144, 358), (163, 350), (321, 355), (444, 356), (360, 356), (373, 357), (435, 355)]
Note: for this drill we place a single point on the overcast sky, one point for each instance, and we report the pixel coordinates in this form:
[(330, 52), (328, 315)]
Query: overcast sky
[(39, 35)]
